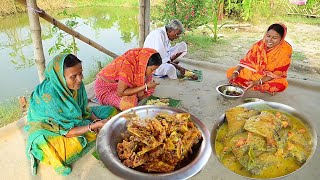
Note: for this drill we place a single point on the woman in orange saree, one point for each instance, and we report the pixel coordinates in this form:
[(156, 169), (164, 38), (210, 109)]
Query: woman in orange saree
[(128, 78), (266, 64)]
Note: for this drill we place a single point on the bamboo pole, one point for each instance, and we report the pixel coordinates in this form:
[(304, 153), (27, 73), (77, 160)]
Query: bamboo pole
[(147, 19), (70, 31), (36, 38), (144, 21), (141, 23), (76, 34)]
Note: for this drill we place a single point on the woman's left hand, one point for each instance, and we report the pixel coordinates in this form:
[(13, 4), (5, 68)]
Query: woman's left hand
[(152, 84), (141, 95), (251, 84)]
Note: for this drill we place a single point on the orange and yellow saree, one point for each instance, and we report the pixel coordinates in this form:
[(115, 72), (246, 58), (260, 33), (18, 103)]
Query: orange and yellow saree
[(260, 62), (129, 68)]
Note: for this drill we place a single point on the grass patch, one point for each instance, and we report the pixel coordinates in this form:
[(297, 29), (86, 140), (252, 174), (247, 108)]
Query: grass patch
[(196, 42), (300, 19), (9, 111), (298, 56)]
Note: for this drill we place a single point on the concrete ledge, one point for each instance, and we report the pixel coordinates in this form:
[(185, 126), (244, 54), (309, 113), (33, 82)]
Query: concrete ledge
[(12, 127)]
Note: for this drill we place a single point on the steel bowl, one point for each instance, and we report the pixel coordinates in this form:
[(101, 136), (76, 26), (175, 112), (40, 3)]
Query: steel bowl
[(282, 107), (224, 88), (110, 136)]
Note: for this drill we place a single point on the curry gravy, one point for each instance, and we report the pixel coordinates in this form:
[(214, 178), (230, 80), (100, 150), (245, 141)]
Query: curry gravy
[(283, 165)]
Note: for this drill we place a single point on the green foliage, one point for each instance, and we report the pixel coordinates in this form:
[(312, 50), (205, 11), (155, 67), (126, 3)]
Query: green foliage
[(9, 112), (312, 8), (192, 13), (62, 44), (196, 41), (233, 8), (16, 44), (247, 9), (298, 56)]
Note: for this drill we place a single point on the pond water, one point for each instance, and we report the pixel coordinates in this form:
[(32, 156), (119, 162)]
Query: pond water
[(108, 26)]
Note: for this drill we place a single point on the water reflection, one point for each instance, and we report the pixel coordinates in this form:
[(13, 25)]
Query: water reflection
[(109, 26)]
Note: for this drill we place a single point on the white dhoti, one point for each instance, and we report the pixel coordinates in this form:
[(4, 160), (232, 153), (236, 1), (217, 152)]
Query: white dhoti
[(169, 69)]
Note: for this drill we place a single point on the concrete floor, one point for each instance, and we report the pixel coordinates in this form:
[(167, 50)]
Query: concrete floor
[(201, 100)]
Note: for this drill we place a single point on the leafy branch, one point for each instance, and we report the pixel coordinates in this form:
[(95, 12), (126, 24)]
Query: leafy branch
[(63, 44)]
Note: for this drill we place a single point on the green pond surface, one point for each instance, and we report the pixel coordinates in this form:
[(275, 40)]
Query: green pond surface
[(116, 29)]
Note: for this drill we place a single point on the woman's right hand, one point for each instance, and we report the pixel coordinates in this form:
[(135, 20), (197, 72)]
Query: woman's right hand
[(152, 84), (99, 124), (232, 78)]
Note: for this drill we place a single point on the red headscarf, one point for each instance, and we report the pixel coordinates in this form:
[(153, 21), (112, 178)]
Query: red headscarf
[(129, 67), (273, 62)]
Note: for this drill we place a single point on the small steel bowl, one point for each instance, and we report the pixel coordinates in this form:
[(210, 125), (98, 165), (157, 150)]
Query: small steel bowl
[(224, 88), (281, 107), (110, 136)]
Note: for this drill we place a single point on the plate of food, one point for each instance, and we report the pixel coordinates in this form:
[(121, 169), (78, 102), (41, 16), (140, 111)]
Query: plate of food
[(192, 75), (154, 142), (160, 101)]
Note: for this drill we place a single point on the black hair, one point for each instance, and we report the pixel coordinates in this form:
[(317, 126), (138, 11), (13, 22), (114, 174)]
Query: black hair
[(70, 60), (155, 60), (278, 28)]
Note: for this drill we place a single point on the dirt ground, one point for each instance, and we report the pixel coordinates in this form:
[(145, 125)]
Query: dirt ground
[(198, 98), (304, 38)]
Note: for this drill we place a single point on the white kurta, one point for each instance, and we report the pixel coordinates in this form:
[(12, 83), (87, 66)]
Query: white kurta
[(158, 40)]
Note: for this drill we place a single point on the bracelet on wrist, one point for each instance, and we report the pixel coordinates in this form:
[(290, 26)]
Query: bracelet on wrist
[(96, 120), (89, 127), (260, 81), (236, 72), (146, 87)]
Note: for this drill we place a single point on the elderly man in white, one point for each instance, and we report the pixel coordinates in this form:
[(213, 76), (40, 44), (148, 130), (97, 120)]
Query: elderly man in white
[(159, 39)]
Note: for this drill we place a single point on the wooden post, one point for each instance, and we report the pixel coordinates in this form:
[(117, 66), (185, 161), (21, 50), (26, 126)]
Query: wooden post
[(147, 19), (144, 21), (141, 23), (36, 38)]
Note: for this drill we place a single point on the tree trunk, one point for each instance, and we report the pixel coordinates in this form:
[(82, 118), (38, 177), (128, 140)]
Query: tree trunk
[(36, 38)]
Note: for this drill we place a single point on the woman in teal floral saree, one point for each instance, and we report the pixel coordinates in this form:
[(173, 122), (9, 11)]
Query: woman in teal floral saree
[(61, 128)]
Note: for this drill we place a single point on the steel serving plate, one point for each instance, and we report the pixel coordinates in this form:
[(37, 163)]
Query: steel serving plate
[(274, 105), (222, 89), (110, 136)]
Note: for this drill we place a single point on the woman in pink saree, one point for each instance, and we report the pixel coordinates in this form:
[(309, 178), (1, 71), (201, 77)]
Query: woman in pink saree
[(128, 78)]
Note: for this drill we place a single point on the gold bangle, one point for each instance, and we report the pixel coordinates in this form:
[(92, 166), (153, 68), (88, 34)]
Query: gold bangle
[(89, 127), (146, 89), (96, 120)]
